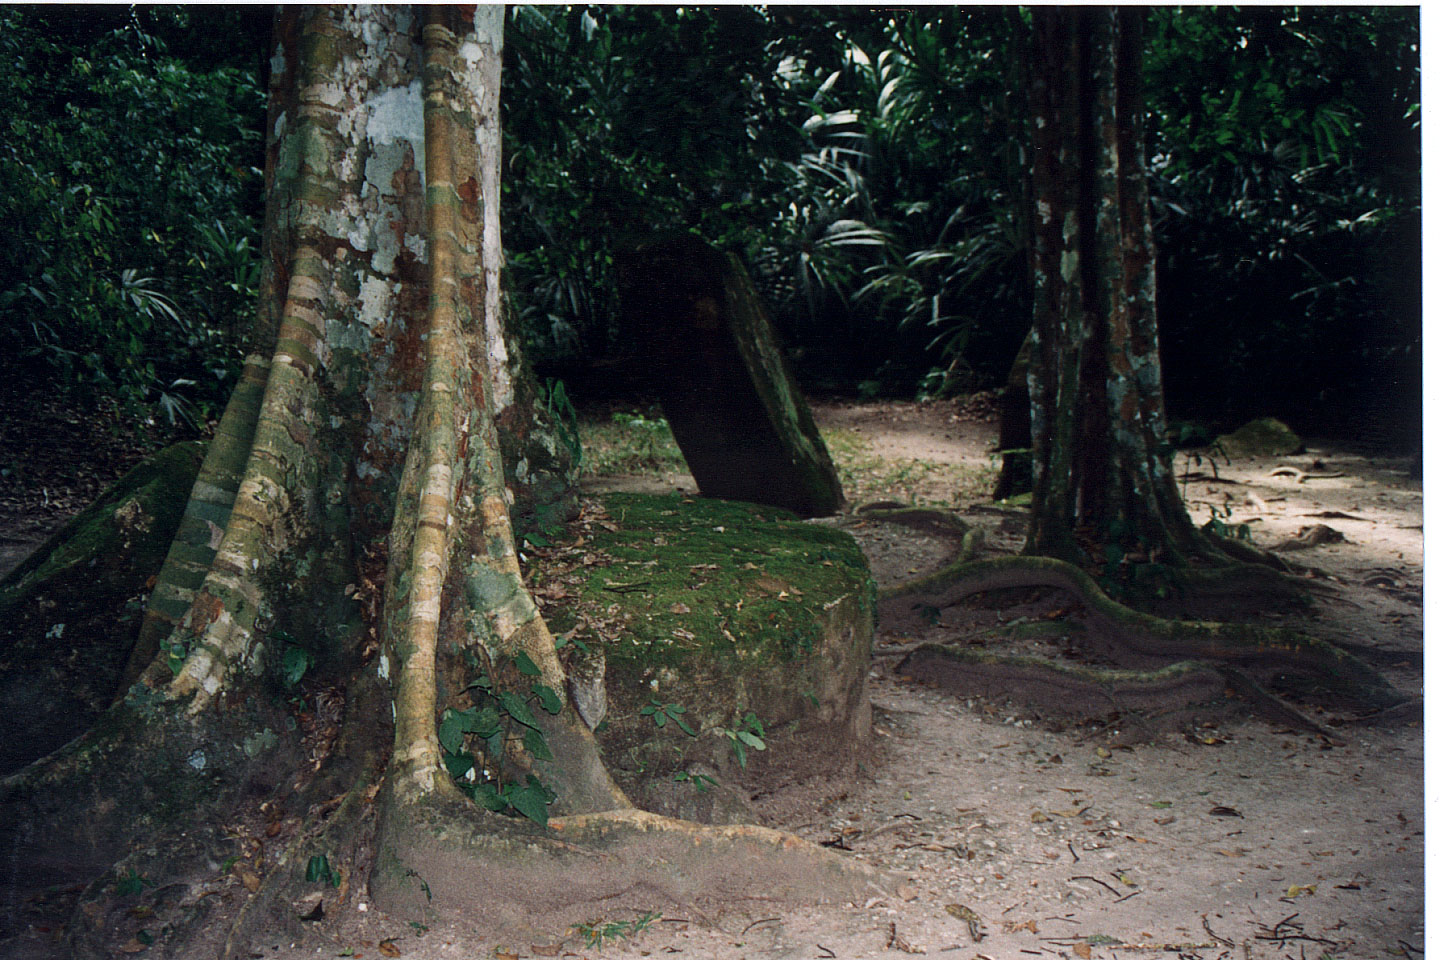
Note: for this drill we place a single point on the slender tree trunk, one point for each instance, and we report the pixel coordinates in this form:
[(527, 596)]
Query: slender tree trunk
[(1103, 477)]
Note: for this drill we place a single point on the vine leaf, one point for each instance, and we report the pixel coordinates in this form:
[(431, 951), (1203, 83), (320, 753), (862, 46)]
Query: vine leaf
[(516, 708)]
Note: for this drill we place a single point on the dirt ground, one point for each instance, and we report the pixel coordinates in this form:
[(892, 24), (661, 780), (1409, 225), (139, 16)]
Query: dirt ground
[(1014, 837)]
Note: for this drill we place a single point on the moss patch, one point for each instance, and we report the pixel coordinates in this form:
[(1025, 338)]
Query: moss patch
[(723, 609), (1266, 437)]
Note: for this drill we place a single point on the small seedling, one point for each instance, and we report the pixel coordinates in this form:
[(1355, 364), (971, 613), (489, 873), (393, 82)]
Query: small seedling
[(750, 733), (318, 870), (662, 713), (1219, 525), (596, 932), (701, 781), (131, 883)]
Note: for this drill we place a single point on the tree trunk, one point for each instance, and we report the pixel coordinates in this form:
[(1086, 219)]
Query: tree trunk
[(345, 572), (1103, 477), (1104, 494)]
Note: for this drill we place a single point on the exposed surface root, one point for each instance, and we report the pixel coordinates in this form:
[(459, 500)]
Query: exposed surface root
[(538, 881), (941, 522), (1200, 660), (1068, 689)]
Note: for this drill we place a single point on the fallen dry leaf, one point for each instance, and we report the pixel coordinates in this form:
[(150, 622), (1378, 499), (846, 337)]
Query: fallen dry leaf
[(1082, 950), (388, 949), (248, 878), (970, 917), (900, 943)]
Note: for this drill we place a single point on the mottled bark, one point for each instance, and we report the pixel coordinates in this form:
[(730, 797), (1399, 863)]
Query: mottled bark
[(1103, 472)]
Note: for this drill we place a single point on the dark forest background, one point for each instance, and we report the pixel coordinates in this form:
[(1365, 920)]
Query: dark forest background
[(868, 166)]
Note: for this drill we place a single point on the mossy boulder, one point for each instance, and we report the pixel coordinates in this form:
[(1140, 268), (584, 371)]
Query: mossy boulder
[(1266, 437), (717, 620), (70, 611)]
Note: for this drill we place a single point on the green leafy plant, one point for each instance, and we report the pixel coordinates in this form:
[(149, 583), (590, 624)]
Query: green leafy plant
[(1219, 524), (556, 401), (318, 870), (700, 781), (294, 663), (749, 734), (127, 167), (496, 718), (598, 932), (662, 713), (175, 653), (132, 883)]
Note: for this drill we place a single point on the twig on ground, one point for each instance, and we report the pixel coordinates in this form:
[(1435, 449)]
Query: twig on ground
[(1101, 882)]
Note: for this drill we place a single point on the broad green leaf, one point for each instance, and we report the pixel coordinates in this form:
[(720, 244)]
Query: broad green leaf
[(294, 662), (452, 731), (531, 800), (488, 797), (317, 870), (516, 708), (535, 743), (484, 722), (525, 665), (550, 702), (457, 764)]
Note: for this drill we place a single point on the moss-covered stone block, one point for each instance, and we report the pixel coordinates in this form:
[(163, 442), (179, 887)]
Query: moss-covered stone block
[(709, 612), (1266, 437)]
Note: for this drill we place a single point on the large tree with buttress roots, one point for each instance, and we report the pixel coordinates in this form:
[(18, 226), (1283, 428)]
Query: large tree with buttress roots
[(1105, 500), (352, 522)]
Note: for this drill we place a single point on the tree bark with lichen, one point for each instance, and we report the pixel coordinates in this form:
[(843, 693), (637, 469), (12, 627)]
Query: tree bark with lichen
[(348, 545), (1102, 469)]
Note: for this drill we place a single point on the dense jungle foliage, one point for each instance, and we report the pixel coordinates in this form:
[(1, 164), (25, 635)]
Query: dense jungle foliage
[(869, 166)]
